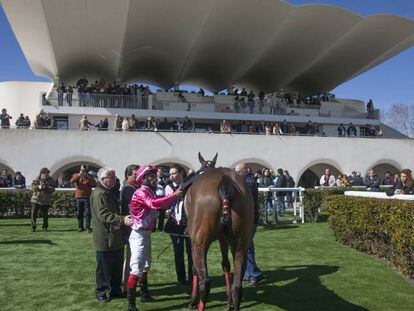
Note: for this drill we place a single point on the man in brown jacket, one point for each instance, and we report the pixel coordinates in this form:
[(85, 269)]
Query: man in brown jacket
[(107, 236), (42, 188), (84, 183)]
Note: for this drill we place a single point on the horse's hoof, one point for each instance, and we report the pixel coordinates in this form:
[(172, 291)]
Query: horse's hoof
[(192, 306)]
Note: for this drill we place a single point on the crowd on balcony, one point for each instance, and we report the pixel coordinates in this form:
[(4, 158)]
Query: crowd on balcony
[(132, 123), (401, 183), (88, 94), (278, 102)]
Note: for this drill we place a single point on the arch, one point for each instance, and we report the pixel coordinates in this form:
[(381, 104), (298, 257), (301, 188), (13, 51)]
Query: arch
[(253, 163), (309, 177), (166, 163), (381, 166), (70, 165)]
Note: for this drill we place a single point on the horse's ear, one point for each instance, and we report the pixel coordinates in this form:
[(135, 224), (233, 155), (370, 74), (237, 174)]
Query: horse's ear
[(214, 159), (201, 159)]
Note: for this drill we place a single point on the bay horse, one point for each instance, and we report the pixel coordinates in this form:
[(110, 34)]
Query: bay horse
[(219, 206)]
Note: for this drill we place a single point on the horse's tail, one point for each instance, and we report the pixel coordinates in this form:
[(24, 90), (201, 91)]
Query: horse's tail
[(226, 189)]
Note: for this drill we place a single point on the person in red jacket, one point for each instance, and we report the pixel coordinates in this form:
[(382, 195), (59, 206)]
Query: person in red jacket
[(84, 184)]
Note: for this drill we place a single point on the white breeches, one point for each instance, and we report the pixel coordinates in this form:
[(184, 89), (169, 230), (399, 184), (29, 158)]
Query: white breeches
[(140, 243)]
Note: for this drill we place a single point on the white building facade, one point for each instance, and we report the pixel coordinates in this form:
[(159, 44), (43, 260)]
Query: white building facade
[(30, 150)]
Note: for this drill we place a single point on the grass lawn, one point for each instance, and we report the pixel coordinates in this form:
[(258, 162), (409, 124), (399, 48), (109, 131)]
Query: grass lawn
[(305, 269)]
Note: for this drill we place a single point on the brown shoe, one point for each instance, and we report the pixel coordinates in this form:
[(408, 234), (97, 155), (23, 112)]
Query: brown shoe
[(251, 283)]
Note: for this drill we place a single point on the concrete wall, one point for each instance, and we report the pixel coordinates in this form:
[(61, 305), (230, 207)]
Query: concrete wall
[(22, 97), (29, 150)]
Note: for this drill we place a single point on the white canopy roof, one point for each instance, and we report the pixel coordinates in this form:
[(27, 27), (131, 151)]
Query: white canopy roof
[(259, 44)]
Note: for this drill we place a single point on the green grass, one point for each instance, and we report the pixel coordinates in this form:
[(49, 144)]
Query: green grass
[(305, 269)]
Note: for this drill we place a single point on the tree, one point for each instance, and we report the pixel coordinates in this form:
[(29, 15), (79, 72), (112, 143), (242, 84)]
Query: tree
[(401, 118)]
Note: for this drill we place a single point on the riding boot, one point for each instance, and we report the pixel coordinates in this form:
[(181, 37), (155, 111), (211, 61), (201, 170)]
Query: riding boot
[(131, 294), (143, 284)]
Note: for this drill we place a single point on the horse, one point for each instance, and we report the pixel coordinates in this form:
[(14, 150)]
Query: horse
[(219, 206)]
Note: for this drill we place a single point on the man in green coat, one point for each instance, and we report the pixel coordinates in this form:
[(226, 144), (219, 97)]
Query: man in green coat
[(42, 188), (107, 236)]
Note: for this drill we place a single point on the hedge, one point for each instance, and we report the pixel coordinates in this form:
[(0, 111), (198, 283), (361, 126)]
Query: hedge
[(16, 204), (315, 199), (384, 228)]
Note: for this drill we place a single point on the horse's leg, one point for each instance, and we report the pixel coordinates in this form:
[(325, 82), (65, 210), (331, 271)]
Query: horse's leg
[(194, 292), (225, 264), (239, 269), (200, 264)]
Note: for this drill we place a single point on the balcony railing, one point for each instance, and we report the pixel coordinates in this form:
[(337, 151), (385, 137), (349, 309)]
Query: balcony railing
[(97, 100), (195, 102)]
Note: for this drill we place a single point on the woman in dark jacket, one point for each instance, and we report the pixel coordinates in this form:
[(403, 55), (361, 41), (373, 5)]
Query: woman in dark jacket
[(405, 185)]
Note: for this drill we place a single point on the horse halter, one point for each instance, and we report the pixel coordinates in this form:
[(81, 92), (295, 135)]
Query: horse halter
[(209, 164)]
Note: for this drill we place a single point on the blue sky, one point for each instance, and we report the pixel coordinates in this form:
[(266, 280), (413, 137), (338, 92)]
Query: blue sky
[(390, 83)]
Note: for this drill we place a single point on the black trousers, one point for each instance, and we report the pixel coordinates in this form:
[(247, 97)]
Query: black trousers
[(109, 272), (161, 220), (44, 209), (179, 243)]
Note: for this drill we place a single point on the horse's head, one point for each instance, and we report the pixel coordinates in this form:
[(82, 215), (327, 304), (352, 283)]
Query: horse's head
[(209, 164)]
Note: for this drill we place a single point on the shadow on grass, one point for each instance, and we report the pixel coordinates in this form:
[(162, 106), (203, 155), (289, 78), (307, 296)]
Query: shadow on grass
[(323, 218), (300, 289), (15, 225), (64, 230), (27, 242), (278, 227)]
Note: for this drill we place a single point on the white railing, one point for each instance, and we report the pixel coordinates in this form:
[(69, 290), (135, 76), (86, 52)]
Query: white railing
[(380, 195), (297, 194), (27, 188)]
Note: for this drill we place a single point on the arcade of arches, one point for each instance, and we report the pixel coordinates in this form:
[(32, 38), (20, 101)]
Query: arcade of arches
[(308, 179)]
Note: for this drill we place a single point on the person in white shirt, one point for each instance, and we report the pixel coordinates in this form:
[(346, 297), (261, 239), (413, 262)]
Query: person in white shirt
[(327, 180), (178, 218)]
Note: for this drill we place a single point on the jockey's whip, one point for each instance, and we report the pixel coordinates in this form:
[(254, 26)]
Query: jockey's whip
[(163, 251), (171, 243)]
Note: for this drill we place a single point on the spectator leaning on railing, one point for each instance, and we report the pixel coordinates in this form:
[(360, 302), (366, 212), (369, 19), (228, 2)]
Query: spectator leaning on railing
[(405, 185), (5, 119), (355, 179), (6, 180), (388, 179), (19, 181), (327, 180), (372, 181), (84, 123)]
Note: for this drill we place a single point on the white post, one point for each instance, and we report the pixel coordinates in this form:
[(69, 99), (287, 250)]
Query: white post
[(294, 207), (302, 208)]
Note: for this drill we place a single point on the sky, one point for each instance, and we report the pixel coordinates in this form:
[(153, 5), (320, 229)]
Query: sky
[(389, 83)]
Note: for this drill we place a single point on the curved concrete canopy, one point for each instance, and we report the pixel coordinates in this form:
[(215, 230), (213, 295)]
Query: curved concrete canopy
[(260, 44)]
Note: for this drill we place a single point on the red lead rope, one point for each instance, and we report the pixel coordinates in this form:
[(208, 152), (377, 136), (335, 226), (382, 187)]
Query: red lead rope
[(226, 210)]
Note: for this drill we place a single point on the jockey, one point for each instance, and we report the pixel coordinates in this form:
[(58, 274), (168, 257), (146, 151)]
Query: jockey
[(144, 206)]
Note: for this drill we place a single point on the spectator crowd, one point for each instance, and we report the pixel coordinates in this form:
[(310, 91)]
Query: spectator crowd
[(401, 183)]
